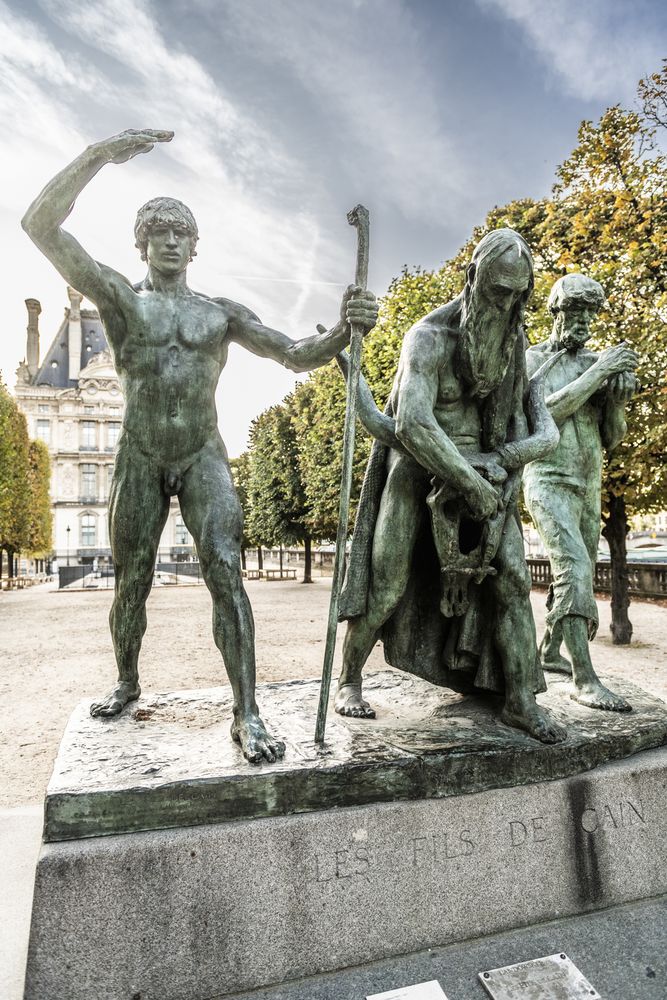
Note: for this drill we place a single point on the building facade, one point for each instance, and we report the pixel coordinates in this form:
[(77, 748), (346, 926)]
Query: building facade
[(72, 400)]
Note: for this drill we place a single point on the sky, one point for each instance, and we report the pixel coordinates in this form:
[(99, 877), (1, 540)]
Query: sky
[(286, 114)]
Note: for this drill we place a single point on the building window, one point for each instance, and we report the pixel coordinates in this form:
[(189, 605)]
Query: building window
[(88, 529), (88, 435), (89, 409), (113, 430), (182, 536), (109, 479), (89, 482), (43, 408), (44, 431)]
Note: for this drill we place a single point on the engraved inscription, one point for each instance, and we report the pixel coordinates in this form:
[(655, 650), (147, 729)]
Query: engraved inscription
[(344, 863), (530, 831), (441, 847), (614, 816)]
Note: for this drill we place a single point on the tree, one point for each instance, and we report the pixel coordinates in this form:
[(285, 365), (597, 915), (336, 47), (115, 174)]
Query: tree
[(240, 473), (14, 480), (40, 531), (608, 218), (278, 510)]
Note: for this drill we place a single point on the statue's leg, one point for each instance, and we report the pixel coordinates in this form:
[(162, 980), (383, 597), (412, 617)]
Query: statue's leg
[(516, 641), (212, 513), (550, 654), (578, 630), (138, 510), (396, 528), (547, 517)]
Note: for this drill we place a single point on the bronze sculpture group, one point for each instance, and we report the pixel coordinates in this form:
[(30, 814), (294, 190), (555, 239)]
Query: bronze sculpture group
[(437, 567)]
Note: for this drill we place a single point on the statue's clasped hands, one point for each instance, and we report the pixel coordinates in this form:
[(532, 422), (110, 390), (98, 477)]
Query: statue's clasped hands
[(618, 363)]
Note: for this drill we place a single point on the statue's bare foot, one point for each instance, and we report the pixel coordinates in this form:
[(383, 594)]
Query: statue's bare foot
[(348, 701), (559, 665), (250, 732), (535, 721), (595, 695), (116, 700)]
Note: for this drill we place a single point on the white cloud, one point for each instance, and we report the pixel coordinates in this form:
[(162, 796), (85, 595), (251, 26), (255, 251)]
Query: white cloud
[(363, 63), (598, 50), (232, 174)]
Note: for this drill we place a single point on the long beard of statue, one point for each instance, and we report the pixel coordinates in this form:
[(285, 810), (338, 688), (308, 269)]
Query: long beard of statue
[(485, 344)]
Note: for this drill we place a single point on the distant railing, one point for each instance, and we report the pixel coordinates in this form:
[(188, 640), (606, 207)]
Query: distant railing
[(646, 579)]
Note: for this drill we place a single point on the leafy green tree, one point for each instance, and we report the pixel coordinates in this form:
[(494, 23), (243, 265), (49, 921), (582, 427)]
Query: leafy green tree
[(14, 480), (240, 472), (40, 540), (278, 510)]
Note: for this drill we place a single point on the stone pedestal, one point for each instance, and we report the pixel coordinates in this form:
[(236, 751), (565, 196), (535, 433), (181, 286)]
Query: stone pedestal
[(404, 839)]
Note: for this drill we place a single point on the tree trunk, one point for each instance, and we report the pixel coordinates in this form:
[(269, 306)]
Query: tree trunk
[(243, 565), (1, 558), (615, 531), (10, 566), (260, 560), (308, 561), (280, 556)]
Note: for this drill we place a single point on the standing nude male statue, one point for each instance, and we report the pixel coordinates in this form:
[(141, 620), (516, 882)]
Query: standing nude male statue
[(169, 346), (586, 395), (453, 439)]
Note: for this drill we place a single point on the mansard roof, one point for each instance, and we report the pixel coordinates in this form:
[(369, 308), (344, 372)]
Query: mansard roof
[(54, 369)]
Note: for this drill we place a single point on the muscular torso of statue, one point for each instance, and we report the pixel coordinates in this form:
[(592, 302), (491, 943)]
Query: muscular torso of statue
[(169, 354), (455, 411)]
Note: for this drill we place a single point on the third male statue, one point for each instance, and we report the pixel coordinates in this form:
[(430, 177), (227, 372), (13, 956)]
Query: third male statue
[(586, 395), (437, 567)]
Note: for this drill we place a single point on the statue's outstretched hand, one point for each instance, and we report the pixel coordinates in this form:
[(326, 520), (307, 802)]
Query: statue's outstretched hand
[(121, 148), (359, 308)]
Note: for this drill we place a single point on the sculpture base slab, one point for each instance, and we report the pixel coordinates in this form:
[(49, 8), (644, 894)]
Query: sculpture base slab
[(168, 761), (204, 911)]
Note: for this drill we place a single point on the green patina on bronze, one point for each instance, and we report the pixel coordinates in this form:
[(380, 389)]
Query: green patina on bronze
[(169, 346), (437, 567), (586, 395)]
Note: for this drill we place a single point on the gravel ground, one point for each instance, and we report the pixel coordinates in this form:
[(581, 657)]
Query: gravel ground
[(56, 650)]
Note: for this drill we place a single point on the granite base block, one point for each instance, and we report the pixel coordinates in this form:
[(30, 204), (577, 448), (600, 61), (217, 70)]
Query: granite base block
[(206, 911)]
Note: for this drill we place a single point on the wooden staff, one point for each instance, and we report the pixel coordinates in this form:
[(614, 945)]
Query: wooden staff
[(358, 217)]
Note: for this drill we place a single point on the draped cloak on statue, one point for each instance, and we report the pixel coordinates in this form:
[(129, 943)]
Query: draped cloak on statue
[(454, 652)]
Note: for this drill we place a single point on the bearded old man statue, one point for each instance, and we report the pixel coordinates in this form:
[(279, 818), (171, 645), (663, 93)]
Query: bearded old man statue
[(437, 567)]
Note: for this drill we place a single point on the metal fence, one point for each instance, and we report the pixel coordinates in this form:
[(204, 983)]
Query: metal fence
[(85, 578), (646, 579)]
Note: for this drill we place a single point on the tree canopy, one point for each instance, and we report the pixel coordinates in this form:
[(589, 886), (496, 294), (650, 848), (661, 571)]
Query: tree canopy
[(25, 472)]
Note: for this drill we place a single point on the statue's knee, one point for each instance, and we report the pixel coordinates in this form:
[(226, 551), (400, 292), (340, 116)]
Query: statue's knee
[(133, 588), (222, 570)]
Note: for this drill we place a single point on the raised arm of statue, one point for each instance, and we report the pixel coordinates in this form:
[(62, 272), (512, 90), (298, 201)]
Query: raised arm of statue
[(570, 398), (419, 432), (42, 222), (358, 307)]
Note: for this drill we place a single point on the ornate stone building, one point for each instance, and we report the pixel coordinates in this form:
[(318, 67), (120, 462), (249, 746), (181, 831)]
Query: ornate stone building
[(73, 402)]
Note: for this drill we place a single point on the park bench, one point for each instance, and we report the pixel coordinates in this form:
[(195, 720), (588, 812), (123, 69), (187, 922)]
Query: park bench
[(277, 574)]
